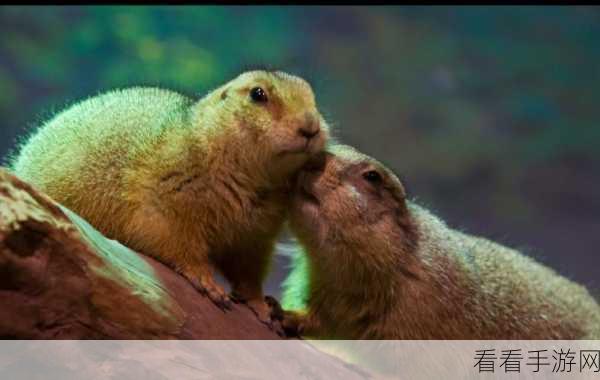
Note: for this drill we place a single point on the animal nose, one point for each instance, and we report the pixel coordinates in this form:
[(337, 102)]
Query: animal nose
[(311, 126)]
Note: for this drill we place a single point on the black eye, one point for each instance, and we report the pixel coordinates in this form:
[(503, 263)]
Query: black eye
[(258, 95), (372, 176)]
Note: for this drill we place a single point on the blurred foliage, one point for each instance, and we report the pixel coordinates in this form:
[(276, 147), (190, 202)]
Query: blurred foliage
[(489, 112)]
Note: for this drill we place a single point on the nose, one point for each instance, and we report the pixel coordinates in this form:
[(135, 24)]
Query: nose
[(311, 126)]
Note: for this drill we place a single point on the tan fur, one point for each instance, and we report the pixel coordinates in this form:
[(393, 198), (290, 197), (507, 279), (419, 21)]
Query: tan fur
[(379, 267), (196, 184)]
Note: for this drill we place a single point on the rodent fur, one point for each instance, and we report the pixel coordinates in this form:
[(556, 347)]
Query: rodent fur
[(376, 266), (197, 184)]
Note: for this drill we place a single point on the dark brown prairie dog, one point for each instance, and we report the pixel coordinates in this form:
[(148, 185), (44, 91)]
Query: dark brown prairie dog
[(198, 184), (377, 266)]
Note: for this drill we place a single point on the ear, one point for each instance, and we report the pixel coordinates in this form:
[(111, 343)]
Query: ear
[(401, 190), (399, 195), (408, 229), (398, 191), (401, 208), (224, 93)]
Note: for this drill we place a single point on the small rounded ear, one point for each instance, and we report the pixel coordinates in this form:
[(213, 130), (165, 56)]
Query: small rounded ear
[(398, 190), (402, 208), (401, 190), (404, 219), (399, 194), (224, 94)]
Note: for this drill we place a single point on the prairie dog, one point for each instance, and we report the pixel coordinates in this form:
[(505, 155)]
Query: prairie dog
[(198, 184), (377, 266)]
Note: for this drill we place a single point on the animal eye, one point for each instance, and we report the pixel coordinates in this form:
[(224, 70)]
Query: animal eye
[(372, 176), (258, 95)]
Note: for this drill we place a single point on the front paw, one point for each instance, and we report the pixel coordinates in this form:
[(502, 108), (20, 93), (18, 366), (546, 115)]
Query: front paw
[(262, 311), (207, 286)]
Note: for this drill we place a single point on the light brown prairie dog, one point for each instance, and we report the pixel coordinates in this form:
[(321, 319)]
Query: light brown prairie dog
[(377, 266), (198, 184)]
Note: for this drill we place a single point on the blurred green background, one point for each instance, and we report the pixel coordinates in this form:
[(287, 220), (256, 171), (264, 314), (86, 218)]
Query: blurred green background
[(489, 114)]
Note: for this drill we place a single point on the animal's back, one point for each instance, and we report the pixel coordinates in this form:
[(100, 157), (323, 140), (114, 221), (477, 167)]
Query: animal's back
[(529, 297), (79, 156)]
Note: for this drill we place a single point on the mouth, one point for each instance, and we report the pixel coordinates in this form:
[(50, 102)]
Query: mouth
[(303, 145)]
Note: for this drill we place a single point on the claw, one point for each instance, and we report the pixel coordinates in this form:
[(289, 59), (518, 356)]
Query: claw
[(208, 287), (261, 310), (219, 298)]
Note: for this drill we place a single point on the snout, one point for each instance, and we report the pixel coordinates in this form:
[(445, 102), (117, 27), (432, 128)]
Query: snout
[(309, 176), (303, 134), (305, 188), (310, 127)]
